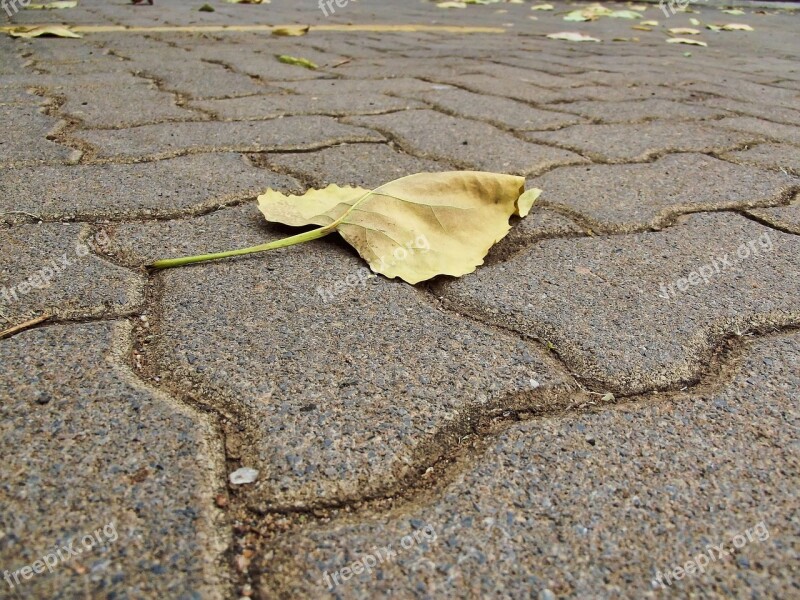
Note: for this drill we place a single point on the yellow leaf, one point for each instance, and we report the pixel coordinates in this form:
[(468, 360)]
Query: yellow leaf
[(694, 21), (300, 62), (733, 11), (452, 5), (683, 31), (736, 27), (414, 228), (686, 41), (247, 1), (649, 23), (641, 28), (44, 30), (572, 36), (53, 5), (542, 7), (291, 30)]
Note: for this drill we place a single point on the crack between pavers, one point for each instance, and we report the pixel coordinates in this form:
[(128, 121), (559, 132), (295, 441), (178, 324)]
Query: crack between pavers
[(771, 223)]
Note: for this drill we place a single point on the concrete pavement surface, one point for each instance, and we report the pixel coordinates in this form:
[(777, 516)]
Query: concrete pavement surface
[(608, 408)]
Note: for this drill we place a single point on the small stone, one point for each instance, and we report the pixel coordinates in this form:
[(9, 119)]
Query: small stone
[(221, 500), (243, 475)]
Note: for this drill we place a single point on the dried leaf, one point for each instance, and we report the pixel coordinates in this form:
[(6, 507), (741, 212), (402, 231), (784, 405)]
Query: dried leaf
[(300, 62), (733, 11), (736, 27), (641, 28), (625, 14), (542, 7), (452, 5), (291, 30), (53, 5), (683, 31), (414, 228), (44, 30), (686, 41), (572, 36), (649, 23), (694, 22), (247, 1)]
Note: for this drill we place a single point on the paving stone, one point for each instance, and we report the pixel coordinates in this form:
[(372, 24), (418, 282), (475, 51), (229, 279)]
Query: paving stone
[(49, 268), (766, 129), (754, 109), (666, 320), (502, 112), (626, 143), (337, 397), (648, 109), (19, 96), (201, 79), (162, 188), (482, 83), (473, 145), (364, 165), (118, 100), (592, 506), (267, 107), (624, 198), (607, 93), (541, 223), (96, 459), (352, 87), (26, 129), (746, 91), (172, 139), (783, 217), (769, 156)]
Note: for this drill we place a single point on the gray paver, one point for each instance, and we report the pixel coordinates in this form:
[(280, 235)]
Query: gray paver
[(26, 130), (465, 142), (344, 387), (51, 268), (664, 325), (593, 506), (624, 198), (364, 165), (649, 109), (96, 458), (766, 129), (770, 156), (782, 217), (632, 143), (159, 188), (173, 139)]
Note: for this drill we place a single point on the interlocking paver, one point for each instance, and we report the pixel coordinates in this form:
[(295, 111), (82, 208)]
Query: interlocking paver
[(770, 156), (648, 109), (364, 165), (51, 268), (173, 139), (160, 188), (624, 198), (632, 143), (668, 315), (765, 129), (344, 387), (783, 217), (84, 449), (754, 109), (593, 506), (25, 141), (277, 105), (503, 112), (116, 100), (465, 142)]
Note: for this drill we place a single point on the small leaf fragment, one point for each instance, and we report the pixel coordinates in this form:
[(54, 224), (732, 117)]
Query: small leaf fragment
[(452, 5), (736, 27), (649, 23), (206, 8), (694, 22), (53, 5), (44, 30), (683, 31), (300, 62), (686, 41), (733, 11), (291, 30), (572, 36), (542, 7)]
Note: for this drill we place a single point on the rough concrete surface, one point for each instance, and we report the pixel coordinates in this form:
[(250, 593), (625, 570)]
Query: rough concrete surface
[(606, 408)]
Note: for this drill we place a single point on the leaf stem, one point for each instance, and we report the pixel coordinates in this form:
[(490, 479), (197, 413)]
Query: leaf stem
[(306, 236)]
